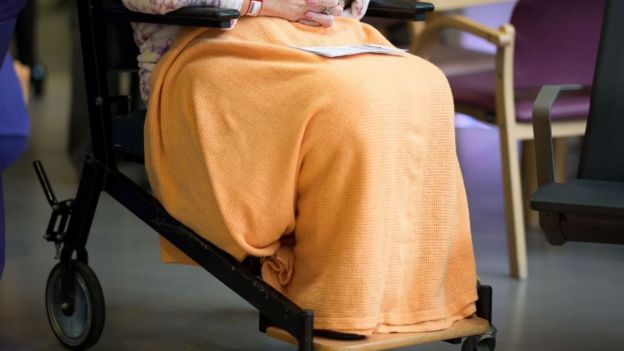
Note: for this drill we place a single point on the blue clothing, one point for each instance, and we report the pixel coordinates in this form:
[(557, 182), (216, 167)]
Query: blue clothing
[(10, 8), (14, 130), (14, 120), (6, 32), (8, 13), (1, 230)]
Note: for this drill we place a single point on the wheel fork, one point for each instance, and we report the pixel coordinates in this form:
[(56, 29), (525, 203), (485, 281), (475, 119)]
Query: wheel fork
[(69, 224)]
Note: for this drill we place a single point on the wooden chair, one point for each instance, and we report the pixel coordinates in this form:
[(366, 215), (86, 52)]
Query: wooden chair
[(530, 52), (590, 208)]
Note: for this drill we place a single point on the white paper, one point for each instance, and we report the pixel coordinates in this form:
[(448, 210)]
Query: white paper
[(348, 50)]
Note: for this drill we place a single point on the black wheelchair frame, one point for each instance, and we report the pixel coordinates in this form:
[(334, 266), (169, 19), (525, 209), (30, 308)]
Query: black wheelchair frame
[(71, 219)]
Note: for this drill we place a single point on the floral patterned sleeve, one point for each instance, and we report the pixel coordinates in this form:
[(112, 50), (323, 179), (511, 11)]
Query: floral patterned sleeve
[(154, 40)]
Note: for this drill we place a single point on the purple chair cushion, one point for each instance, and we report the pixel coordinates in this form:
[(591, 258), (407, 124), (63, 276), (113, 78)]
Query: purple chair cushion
[(476, 90), (556, 41)]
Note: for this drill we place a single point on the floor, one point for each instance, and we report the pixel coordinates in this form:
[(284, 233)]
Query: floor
[(572, 300)]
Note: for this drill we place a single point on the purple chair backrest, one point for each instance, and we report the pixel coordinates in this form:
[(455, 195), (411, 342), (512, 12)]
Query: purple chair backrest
[(556, 41)]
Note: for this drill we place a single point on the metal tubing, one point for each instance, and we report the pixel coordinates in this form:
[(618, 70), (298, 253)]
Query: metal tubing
[(306, 337), (45, 183), (89, 189), (484, 302), (92, 39), (275, 306)]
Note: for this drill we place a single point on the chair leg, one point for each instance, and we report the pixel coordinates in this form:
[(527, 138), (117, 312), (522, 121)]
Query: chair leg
[(516, 241)]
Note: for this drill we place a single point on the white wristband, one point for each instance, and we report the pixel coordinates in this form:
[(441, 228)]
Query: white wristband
[(254, 7)]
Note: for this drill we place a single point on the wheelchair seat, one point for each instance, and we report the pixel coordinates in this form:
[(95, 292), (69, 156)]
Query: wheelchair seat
[(469, 326)]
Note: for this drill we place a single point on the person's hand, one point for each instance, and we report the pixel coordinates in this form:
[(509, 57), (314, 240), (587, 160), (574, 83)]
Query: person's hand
[(309, 12)]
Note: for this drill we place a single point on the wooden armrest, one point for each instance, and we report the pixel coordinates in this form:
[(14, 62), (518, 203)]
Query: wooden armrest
[(499, 37)]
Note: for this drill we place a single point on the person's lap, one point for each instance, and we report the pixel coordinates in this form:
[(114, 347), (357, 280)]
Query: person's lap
[(250, 140), (237, 73)]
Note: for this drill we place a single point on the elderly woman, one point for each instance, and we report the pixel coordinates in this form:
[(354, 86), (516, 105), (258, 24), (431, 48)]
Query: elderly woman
[(340, 172)]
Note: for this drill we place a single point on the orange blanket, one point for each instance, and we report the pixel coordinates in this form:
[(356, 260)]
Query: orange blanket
[(342, 172)]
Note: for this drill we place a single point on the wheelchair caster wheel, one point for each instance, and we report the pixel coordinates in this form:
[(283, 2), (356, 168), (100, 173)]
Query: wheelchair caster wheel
[(82, 328), (477, 343)]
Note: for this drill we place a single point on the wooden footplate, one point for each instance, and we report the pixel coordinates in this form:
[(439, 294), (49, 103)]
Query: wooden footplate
[(462, 328)]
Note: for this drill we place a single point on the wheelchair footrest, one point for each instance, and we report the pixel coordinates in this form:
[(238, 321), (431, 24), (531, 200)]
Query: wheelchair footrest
[(462, 328)]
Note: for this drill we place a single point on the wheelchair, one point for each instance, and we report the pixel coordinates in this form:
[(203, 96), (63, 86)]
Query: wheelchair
[(74, 300)]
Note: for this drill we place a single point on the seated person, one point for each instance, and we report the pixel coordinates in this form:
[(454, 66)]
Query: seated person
[(340, 172)]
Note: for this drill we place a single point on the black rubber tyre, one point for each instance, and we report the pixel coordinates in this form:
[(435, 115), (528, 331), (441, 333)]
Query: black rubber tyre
[(473, 343), (84, 327)]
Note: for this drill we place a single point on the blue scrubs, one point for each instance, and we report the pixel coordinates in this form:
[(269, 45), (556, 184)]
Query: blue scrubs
[(14, 122), (14, 130), (10, 8), (8, 12)]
